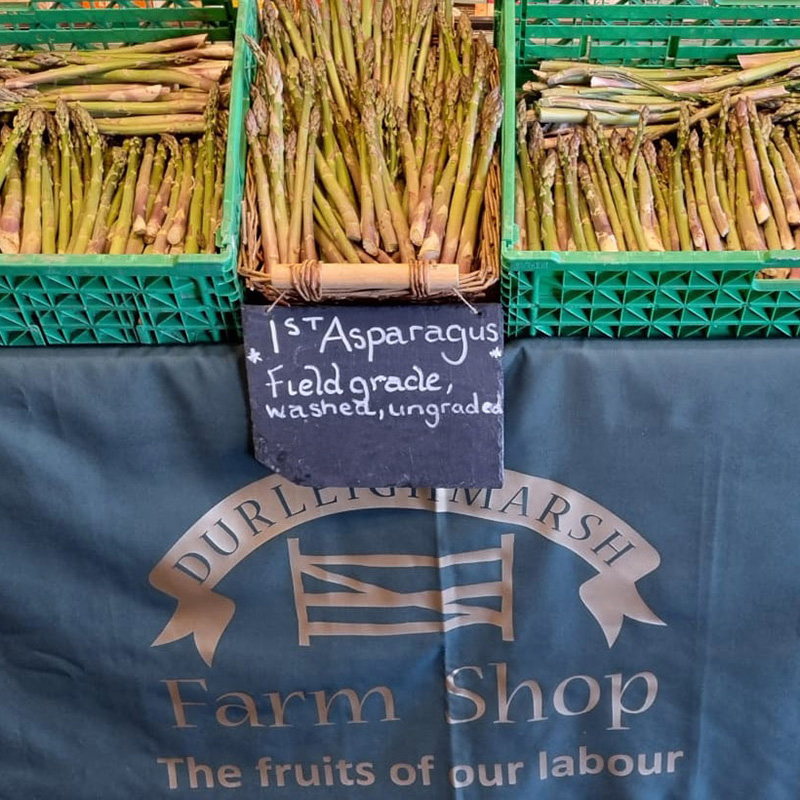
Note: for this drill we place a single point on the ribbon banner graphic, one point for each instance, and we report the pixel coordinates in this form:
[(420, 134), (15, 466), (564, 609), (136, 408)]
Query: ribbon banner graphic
[(270, 507)]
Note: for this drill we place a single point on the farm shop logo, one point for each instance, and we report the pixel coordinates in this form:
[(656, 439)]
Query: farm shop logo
[(271, 507)]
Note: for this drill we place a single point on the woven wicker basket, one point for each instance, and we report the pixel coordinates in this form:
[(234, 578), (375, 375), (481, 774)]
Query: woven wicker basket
[(315, 281)]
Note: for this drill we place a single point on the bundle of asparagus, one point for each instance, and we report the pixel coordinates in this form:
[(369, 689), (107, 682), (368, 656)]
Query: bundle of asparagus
[(371, 133), (76, 183), (705, 158)]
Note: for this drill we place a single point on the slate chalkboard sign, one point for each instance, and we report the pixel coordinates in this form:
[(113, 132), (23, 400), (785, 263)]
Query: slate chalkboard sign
[(377, 395)]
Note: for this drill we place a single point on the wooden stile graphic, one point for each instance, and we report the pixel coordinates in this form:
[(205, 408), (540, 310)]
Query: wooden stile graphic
[(360, 594)]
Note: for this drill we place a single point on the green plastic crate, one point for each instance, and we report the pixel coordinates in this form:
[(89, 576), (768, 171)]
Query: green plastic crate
[(639, 294), (106, 299)]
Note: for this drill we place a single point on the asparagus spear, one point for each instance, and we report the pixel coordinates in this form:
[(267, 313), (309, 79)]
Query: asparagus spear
[(491, 116), (789, 160), (51, 153), (532, 226), (586, 224), (605, 188), (784, 185), (216, 206), (420, 216), (606, 240), (745, 214), (119, 237), (269, 236), (338, 235), (692, 210), (773, 193), (309, 248), (143, 188), (731, 168), (95, 185), (398, 219), (630, 188), (666, 156), (550, 238), (432, 245), (563, 227), (409, 160), (758, 195), (48, 210), (156, 178), (660, 193), (519, 210), (110, 183), (679, 192), (193, 240), (21, 124), (177, 230), (11, 218), (461, 187), (710, 178), (32, 216), (161, 203), (567, 151), (618, 195), (712, 238), (648, 219), (64, 205), (161, 243)]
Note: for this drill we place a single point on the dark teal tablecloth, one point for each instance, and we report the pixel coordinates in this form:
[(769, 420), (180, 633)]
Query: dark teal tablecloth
[(622, 619)]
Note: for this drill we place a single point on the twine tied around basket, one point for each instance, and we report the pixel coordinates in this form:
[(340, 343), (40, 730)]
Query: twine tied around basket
[(306, 281), (420, 279)]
